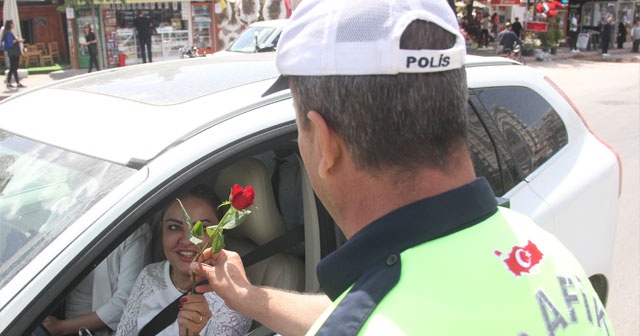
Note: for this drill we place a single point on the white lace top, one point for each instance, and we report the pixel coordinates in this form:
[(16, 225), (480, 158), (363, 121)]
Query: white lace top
[(153, 291)]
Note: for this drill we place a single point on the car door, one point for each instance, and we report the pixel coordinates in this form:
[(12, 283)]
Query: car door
[(258, 135)]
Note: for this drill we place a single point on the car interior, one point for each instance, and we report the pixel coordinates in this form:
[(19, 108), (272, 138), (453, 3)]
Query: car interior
[(286, 234)]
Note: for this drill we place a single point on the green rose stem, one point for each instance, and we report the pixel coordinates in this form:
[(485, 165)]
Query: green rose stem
[(231, 219), (196, 235)]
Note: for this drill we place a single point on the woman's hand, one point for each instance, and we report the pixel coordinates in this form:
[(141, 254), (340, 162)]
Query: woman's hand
[(53, 325), (194, 314)]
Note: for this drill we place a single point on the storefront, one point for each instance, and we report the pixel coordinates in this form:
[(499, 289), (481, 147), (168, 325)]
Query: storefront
[(42, 23), (171, 33), (593, 12), (175, 28), (207, 25), (86, 16), (508, 10)]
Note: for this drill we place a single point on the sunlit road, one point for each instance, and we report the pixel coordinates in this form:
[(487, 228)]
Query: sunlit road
[(608, 95)]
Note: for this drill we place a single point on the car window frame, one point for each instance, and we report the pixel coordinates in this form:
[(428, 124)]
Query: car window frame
[(117, 231), (506, 160), (502, 149), (508, 149)]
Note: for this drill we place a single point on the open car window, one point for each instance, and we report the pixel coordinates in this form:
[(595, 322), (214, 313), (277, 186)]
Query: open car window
[(43, 190)]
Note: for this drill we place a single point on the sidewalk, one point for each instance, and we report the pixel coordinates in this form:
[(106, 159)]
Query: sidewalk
[(33, 81), (616, 55)]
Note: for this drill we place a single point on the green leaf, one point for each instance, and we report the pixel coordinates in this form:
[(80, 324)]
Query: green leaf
[(235, 218), (198, 229), (211, 230), (193, 239), (185, 215), (217, 242)]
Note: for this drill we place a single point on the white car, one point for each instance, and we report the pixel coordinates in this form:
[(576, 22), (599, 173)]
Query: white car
[(86, 161), (260, 36)]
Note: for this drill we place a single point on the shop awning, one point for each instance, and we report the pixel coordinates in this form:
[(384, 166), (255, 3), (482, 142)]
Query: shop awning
[(118, 2), (505, 2), (476, 4)]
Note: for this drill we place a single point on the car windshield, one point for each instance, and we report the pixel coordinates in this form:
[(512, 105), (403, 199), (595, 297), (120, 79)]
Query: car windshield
[(43, 190), (246, 42)]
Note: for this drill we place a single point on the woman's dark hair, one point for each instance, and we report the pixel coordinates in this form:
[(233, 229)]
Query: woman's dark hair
[(202, 192), (6, 29)]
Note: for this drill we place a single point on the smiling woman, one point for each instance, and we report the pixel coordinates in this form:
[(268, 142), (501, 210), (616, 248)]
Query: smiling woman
[(201, 204), (160, 284)]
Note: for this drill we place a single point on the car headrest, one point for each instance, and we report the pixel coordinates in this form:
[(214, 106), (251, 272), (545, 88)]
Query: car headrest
[(265, 222)]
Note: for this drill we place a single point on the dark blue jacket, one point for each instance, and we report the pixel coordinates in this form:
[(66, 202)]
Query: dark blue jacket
[(8, 40)]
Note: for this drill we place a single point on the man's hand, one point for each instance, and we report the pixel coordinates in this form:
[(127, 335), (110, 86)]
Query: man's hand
[(285, 312), (225, 274)]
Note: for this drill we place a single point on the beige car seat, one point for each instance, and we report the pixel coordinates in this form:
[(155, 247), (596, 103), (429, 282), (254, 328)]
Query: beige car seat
[(283, 270)]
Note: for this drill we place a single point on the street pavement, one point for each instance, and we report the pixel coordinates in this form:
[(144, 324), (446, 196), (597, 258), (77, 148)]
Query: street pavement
[(616, 55)]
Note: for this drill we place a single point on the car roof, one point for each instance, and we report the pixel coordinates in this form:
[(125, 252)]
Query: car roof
[(173, 83), (132, 114), (270, 23)]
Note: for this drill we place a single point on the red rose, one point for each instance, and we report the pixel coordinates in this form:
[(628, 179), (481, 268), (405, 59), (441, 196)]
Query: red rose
[(242, 198)]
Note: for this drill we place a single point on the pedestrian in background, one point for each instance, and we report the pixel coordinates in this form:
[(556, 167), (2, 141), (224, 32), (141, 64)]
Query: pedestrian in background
[(484, 32), (11, 44), (635, 36), (495, 22), (92, 47), (573, 33), (622, 34), (6, 55), (516, 26), (143, 27), (605, 35)]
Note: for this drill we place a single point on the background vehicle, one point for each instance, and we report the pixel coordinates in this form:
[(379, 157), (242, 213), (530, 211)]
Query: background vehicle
[(515, 54), (191, 52), (260, 36), (75, 183)]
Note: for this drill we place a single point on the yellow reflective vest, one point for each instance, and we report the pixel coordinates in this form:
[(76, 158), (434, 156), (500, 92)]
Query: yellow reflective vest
[(503, 276)]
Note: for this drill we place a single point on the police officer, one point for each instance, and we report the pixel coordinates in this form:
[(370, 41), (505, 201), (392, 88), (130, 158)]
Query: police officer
[(380, 93)]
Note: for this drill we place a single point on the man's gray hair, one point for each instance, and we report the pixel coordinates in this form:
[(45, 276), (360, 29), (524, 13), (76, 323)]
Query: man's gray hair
[(393, 121)]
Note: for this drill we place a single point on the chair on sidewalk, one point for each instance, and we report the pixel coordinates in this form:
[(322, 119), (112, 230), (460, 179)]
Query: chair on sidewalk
[(42, 48), (54, 52), (31, 47), (46, 60), (33, 59), (23, 62)]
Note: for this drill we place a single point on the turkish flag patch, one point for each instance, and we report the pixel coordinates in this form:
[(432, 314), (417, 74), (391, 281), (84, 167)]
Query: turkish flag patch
[(522, 259)]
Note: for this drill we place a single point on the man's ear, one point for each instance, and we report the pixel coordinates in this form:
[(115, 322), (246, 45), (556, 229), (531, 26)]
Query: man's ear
[(327, 142)]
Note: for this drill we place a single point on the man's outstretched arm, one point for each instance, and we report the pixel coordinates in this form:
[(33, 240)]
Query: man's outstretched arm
[(285, 312)]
